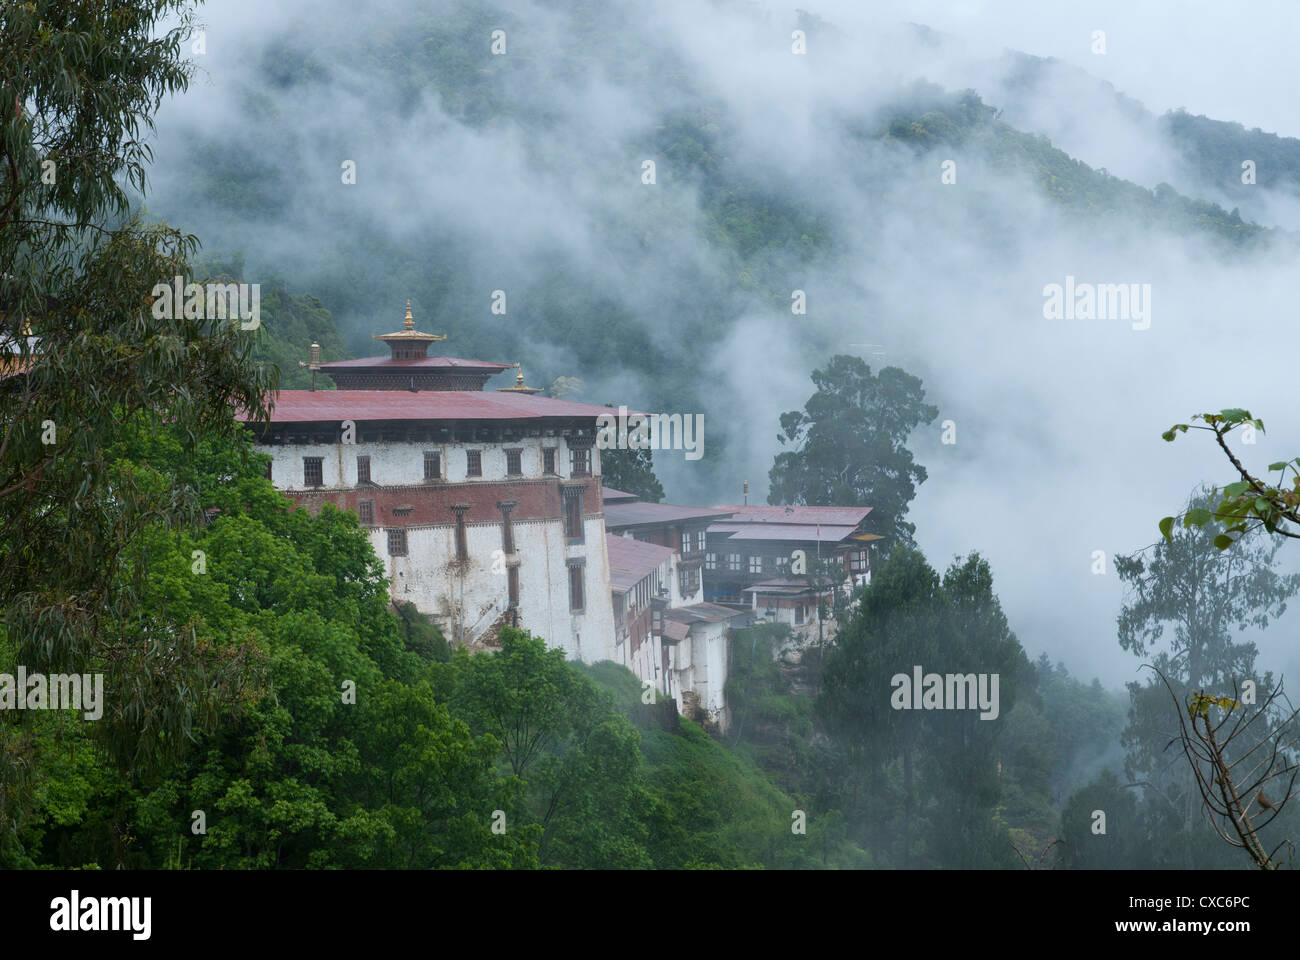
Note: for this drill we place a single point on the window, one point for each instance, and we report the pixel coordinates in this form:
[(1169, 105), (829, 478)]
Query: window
[(710, 561), (580, 463), (397, 543), (514, 463), (575, 586), (366, 513), (755, 564), (733, 562), (858, 561), (363, 470), (573, 514), (507, 528), (432, 465), (781, 563), (462, 538), (699, 541), (548, 461), (512, 585), (312, 471), (688, 581), (473, 463)]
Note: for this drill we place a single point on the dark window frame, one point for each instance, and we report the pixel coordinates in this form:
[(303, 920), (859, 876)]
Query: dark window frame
[(400, 533), (462, 533), (473, 463), (580, 461), (577, 586), (318, 465), (574, 529)]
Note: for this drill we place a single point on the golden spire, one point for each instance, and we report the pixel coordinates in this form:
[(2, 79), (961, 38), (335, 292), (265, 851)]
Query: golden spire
[(519, 384), (409, 334)]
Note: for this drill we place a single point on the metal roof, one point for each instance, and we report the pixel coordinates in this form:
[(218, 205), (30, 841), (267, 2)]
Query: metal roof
[(763, 513), (639, 514), (702, 613), (419, 362), (306, 406), (826, 533), (675, 630), (611, 495), (631, 561), (785, 587)]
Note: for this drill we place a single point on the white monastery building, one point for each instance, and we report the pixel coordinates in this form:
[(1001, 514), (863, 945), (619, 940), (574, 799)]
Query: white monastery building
[(487, 509)]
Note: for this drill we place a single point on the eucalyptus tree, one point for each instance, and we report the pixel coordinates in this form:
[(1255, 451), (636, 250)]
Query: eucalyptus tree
[(83, 352)]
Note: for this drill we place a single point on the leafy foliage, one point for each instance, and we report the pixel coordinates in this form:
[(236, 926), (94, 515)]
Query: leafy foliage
[(849, 444)]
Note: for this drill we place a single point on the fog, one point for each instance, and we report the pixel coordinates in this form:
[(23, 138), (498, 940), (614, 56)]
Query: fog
[(1058, 422)]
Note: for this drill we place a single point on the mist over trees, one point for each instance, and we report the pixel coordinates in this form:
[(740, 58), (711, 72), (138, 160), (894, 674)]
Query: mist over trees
[(278, 710)]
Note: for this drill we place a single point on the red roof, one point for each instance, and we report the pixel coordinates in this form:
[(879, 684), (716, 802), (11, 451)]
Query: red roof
[(611, 495), (306, 406), (640, 514), (420, 362), (762, 513), (823, 533), (631, 561)]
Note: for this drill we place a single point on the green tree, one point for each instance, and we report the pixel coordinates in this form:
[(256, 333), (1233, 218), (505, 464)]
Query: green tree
[(1249, 503), (1186, 600), (923, 785), (84, 352), (849, 444), (1085, 844), (631, 471), (561, 735)]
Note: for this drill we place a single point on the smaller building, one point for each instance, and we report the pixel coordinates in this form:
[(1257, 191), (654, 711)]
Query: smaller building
[(640, 578), (682, 529), (756, 544), (789, 601), (695, 637)]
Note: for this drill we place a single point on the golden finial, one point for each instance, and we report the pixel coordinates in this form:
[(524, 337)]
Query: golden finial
[(519, 383), (410, 322)]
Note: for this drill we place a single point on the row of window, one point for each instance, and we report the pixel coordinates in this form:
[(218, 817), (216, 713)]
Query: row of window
[(573, 529), (397, 547), (313, 473), (763, 564)]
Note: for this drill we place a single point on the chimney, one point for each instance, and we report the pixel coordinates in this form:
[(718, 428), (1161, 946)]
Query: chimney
[(746, 494)]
